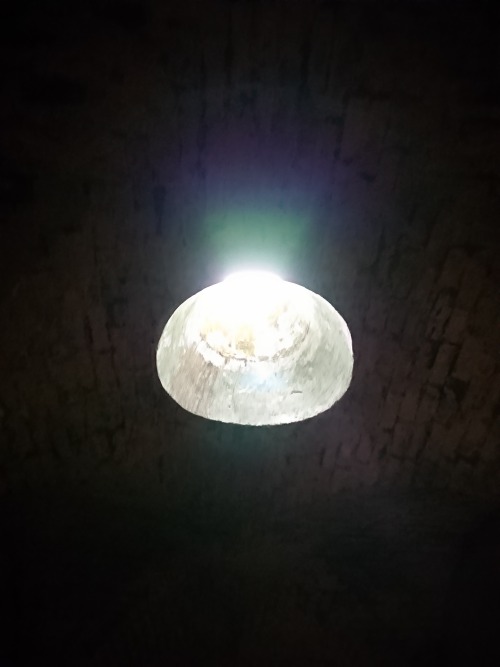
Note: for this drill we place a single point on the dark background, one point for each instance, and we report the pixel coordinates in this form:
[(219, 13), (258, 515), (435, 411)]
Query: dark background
[(146, 150)]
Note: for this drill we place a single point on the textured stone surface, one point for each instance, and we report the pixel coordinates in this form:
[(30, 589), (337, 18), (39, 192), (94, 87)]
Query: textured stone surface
[(135, 170), (148, 149)]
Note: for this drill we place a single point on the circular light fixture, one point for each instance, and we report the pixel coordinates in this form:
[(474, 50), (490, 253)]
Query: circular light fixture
[(256, 350)]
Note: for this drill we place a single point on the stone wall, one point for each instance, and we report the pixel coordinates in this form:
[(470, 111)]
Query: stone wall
[(351, 146)]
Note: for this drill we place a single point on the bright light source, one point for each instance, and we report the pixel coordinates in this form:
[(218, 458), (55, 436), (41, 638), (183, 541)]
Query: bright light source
[(255, 349), (252, 278)]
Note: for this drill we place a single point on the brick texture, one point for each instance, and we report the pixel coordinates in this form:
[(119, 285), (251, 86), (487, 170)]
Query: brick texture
[(360, 162)]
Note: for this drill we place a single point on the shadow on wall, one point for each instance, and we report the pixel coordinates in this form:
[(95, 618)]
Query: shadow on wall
[(472, 613), (91, 582)]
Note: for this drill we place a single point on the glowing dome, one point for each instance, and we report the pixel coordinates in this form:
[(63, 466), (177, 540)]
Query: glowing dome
[(255, 349)]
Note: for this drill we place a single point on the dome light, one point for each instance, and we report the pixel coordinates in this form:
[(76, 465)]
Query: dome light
[(257, 350)]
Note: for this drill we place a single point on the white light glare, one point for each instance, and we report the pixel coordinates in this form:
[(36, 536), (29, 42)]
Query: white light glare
[(251, 295), (252, 277)]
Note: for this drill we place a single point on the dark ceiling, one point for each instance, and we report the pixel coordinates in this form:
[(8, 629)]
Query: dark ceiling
[(148, 148)]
